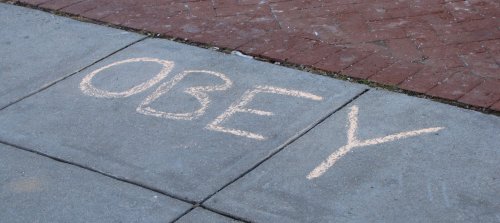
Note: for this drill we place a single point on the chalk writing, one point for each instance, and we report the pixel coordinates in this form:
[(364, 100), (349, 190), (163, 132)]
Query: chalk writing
[(353, 142), (240, 106), (199, 92), (89, 89)]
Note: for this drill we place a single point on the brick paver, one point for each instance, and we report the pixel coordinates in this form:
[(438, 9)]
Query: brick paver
[(444, 48)]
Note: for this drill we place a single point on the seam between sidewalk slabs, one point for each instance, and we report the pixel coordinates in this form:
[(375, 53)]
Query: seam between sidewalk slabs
[(272, 154), (72, 74), (193, 203), (95, 171), (144, 186), (126, 181)]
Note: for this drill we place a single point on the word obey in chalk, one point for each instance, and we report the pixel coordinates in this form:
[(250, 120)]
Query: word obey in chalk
[(200, 93)]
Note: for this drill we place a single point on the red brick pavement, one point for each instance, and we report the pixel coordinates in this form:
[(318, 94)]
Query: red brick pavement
[(444, 48)]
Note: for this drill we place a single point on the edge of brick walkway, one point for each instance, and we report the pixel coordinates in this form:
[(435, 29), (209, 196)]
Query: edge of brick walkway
[(376, 61)]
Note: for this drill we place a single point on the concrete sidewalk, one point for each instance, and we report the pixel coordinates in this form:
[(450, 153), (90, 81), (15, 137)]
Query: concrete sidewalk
[(102, 125)]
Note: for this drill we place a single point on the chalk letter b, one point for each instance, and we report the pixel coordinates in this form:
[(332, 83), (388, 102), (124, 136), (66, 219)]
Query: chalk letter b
[(199, 92)]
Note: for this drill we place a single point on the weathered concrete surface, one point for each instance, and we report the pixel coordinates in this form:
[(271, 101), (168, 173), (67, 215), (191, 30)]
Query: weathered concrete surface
[(451, 175), (202, 215), (182, 157), (34, 188), (37, 48)]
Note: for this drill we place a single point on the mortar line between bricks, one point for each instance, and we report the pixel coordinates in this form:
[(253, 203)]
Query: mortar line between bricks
[(286, 144), (127, 181), (358, 61), (400, 17), (474, 41), (71, 74), (471, 89), (74, 3)]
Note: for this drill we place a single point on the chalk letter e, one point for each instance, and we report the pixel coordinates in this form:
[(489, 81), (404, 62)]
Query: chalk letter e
[(239, 106)]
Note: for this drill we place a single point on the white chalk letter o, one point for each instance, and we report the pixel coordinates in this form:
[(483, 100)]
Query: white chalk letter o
[(87, 88)]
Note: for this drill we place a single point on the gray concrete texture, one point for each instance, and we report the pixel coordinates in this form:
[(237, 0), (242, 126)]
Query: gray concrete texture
[(451, 175), (37, 48), (181, 157), (38, 189)]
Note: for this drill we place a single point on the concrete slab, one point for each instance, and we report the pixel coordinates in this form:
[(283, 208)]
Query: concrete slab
[(203, 215), (183, 139), (38, 48), (34, 188), (442, 165)]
